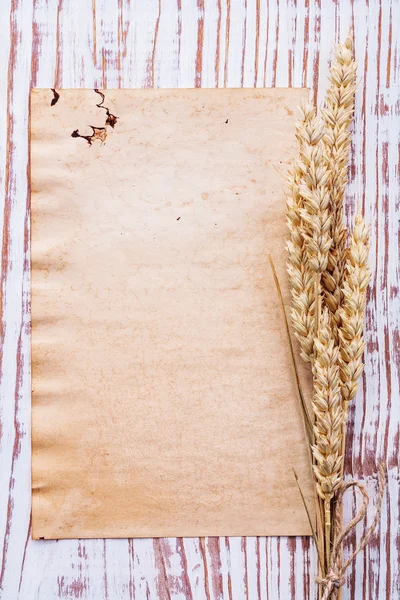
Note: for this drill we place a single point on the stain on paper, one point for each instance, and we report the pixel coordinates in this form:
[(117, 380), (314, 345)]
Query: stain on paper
[(111, 119), (99, 133), (55, 98)]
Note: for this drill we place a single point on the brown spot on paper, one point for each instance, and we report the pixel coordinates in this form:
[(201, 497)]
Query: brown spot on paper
[(163, 399), (111, 119), (99, 133), (55, 98)]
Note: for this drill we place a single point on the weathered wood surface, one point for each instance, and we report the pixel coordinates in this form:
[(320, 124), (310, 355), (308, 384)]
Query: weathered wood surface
[(186, 43)]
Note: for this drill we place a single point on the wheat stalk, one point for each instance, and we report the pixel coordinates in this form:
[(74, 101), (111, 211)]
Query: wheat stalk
[(327, 406), (309, 225), (308, 222), (314, 213), (337, 116), (351, 317), (355, 282)]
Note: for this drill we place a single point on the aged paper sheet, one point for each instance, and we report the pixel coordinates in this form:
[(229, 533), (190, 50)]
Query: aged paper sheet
[(163, 399)]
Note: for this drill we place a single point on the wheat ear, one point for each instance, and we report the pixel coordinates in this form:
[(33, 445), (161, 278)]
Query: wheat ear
[(355, 282), (328, 412), (315, 217), (308, 223), (315, 214), (338, 116)]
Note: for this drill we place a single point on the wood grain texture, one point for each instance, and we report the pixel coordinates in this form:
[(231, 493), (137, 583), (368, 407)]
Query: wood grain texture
[(187, 43)]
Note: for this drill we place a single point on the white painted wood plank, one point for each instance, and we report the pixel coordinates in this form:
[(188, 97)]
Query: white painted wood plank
[(187, 43)]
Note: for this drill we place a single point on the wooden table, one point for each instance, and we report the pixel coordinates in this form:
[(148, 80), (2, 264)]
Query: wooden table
[(186, 43)]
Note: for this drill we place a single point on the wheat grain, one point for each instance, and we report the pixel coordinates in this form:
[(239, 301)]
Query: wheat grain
[(355, 283), (337, 116)]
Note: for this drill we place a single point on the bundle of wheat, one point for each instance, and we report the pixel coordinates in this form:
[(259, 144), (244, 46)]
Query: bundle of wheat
[(329, 275)]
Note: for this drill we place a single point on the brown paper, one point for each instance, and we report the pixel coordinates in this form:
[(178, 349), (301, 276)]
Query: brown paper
[(164, 401)]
